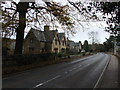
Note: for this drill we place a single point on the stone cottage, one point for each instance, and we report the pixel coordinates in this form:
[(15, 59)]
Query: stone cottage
[(48, 40), (34, 42)]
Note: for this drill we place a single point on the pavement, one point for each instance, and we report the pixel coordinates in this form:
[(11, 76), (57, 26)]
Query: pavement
[(110, 76)]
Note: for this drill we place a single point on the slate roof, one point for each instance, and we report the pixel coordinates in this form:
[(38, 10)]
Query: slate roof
[(39, 35), (76, 44), (70, 42), (44, 36), (50, 35)]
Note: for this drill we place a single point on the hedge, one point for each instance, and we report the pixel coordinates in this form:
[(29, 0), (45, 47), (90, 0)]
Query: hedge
[(24, 59)]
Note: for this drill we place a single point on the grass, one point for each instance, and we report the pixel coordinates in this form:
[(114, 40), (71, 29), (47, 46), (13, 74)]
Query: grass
[(6, 71)]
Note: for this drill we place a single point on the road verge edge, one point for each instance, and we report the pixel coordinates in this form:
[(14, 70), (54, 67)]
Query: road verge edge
[(98, 81)]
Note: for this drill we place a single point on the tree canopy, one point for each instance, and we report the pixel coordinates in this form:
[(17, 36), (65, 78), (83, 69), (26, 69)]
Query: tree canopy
[(16, 16), (86, 46), (110, 12)]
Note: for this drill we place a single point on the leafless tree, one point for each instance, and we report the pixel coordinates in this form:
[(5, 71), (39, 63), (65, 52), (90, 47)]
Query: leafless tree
[(93, 36)]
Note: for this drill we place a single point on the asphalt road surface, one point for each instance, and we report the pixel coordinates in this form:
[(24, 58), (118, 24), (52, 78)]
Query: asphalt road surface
[(80, 73)]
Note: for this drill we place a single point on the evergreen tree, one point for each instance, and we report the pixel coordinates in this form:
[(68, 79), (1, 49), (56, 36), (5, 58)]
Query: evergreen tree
[(86, 46)]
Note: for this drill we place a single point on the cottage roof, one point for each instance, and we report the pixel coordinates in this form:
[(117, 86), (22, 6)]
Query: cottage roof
[(46, 36), (38, 34), (70, 42), (50, 35), (76, 44)]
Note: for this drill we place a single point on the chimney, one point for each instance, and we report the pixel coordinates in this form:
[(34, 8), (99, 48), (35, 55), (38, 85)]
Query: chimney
[(46, 28)]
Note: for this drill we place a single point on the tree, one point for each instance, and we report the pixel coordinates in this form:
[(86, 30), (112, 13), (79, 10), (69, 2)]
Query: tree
[(110, 13), (93, 36), (21, 11), (100, 48), (109, 43), (86, 46), (113, 10)]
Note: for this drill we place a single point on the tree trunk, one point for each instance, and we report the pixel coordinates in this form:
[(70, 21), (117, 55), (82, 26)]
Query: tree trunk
[(22, 9)]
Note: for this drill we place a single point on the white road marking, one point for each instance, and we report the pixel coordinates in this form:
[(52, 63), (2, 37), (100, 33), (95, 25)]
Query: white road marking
[(72, 69), (81, 59), (66, 72), (47, 81), (80, 66), (102, 74)]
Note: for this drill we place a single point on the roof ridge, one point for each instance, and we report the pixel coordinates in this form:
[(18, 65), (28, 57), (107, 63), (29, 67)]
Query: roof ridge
[(36, 29)]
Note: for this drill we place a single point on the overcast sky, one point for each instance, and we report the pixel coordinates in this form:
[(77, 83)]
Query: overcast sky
[(83, 35)]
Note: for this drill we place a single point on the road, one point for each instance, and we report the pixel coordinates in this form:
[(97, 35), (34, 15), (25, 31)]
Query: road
[(80, 73)]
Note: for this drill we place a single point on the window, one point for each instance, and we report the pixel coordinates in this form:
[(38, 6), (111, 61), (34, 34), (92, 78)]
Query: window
[(68, 45), (63, 43), (42, 50), (55, 41), (31, 49), (56, 50)]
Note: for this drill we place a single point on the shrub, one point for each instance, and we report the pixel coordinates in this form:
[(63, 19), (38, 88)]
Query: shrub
[(60, 54)]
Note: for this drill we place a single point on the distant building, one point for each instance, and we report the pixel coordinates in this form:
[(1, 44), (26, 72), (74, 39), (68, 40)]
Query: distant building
[(48, 40), (70, 45), (77, 47), (74, 46)]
